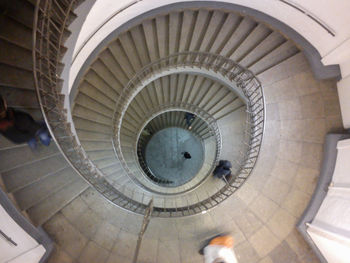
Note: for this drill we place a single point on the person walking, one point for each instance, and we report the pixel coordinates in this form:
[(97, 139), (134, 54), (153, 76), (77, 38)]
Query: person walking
[(219, 249), (20, 127), (189, 117)]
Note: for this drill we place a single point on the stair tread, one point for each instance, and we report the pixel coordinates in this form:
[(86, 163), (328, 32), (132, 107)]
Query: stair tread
[(15, 56), (43, 211), (38, 191), (17, 178), (15, 32), (19, 156)]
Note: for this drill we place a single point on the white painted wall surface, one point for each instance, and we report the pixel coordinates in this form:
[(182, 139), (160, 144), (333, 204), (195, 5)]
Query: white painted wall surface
[(344, 100), (330, 229), (25, 243), (334, 14), (333, 249), (32, 256), (333, 49)]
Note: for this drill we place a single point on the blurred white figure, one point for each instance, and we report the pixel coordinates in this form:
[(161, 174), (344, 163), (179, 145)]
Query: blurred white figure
[(220, 250)]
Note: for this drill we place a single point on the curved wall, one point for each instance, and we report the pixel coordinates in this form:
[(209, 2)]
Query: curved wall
[(319, 28)]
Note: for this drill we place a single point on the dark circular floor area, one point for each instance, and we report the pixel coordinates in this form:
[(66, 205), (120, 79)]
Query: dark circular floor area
[(165, 155)]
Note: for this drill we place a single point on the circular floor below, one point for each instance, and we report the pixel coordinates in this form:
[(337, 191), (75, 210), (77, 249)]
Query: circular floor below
[(165, 155)]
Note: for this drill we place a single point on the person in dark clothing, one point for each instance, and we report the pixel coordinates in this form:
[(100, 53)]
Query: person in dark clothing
[(189, 117), (187, 155), (223, 170), (226, 164), (20, 127)]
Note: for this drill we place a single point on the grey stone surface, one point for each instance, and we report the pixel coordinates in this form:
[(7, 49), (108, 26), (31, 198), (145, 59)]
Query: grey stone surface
[(165, 158), (300, 111)]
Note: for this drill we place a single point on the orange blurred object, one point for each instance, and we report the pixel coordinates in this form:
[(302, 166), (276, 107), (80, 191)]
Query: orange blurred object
[(226, 241)]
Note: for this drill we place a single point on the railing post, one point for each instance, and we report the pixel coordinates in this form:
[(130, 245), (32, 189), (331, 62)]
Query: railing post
[(146, 219)]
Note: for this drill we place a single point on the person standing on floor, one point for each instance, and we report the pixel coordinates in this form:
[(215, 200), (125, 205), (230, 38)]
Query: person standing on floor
[(223, 170), (187, 155), (19, 127)]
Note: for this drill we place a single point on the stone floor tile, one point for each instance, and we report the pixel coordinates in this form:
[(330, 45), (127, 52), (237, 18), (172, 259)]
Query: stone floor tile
[(248, 223), (93, 253), (314, 130), (115, 258), (113, 215), (88, 223), (334, 124), (207, 225), (125, 244), (132, 223), (305, 83), (186, 227), (331, 106), (168, 251), (296, 202), (263, 207), (328, 88), (290, 151), (284, 90), (247, 193), (263, 241), (246, 253), (235, 206), (258, 179), (236, 232), (297, 243), (65, 235), (276, 189), (283, 253), (292, 130), (272, 112), (312, 106), (270, 94), (89, 196), (148, 251), (312, 155), (74, 209), (281, 223), (309, 257), (60, 256), (189, 250), (306, 179), (290, 109), (266, 259), (227, 210), (285, 171), (106, 235), (163, 228), (272, 129)]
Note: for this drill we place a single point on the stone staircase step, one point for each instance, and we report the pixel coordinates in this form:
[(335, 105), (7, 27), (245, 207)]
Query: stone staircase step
[(43, 211), (40, 190), (19, 156), (24, 175)]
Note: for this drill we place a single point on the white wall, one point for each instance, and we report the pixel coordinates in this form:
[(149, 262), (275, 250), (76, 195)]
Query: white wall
[(106, 15), (330, 229), (27, 249)]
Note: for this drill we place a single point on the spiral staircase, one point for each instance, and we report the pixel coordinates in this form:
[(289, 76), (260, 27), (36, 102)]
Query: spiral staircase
[(253, 94)]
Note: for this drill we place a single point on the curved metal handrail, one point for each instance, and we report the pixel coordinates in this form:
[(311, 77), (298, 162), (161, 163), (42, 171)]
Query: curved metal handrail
[(174, 106), (239, 76), (49, 29)]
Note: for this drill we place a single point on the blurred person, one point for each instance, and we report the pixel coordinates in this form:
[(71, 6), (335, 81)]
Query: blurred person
[(19, 127), (219, 249)]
